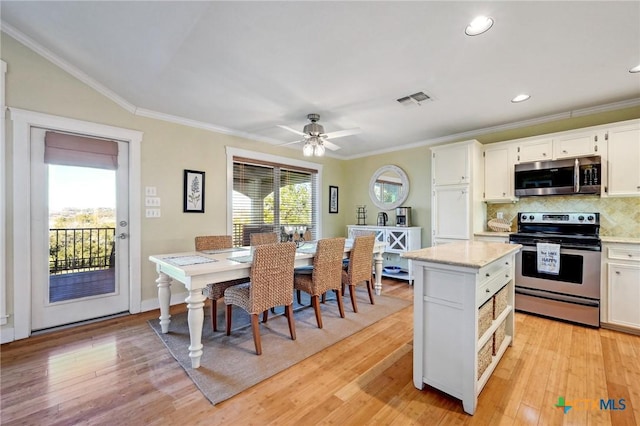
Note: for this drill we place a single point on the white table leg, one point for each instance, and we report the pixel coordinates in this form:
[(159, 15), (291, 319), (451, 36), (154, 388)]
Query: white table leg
[(195, 303), (377, 258), (164, 296)]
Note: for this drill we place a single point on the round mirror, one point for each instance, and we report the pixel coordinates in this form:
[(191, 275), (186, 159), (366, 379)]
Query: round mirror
[(389, 187)]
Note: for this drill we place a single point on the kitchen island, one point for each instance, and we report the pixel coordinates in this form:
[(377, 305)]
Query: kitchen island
[(463, 315)]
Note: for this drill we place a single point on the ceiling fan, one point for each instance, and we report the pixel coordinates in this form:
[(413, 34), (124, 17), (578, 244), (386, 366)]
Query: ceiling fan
[(315, 139)]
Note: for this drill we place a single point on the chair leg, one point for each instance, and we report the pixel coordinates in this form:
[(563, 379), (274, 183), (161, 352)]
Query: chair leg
[(228, 318), (343, 287), (265, 316), (370, 290), (255, 328), (214, 314), (292, 327), (340, 304), (298, 297), (352, 293), (315, 302), (324, 297)]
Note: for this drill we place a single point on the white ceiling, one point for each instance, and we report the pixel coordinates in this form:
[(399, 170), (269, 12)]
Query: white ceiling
[(245, 67)]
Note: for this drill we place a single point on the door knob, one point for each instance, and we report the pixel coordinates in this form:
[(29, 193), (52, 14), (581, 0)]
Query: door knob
[(123, 236)]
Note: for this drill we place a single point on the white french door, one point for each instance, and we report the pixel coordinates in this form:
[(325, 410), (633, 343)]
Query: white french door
[(79, 272)]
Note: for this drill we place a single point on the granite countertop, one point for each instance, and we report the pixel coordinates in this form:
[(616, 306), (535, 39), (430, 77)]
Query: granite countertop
[(474, 254), (623, 240)]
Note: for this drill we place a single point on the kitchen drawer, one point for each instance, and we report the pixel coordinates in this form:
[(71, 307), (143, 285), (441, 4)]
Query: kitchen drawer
[(624, 253), (493, 283)]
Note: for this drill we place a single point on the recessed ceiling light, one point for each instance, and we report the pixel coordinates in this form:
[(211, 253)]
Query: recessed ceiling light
[(635, 69), (520, 98), (479, 25)]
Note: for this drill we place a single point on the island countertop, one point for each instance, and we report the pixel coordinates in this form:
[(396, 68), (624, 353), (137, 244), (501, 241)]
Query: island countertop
[(471, 254)]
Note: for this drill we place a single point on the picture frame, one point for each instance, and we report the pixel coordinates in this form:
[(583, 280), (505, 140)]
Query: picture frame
[(193, 201), (333, 199)]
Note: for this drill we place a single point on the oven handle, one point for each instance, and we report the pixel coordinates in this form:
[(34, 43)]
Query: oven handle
[(556, 296), (564, 250)]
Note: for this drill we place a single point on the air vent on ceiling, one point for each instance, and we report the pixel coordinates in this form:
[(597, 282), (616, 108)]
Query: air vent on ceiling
[(415, 99)]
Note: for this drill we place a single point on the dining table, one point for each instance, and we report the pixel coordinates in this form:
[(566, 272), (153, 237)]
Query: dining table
[(196, 269)]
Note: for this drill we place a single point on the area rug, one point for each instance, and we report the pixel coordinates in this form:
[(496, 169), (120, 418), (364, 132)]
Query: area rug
[(230, 365)]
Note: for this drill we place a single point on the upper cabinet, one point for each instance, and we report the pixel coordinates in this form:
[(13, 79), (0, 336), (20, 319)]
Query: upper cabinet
[(624, 160), (451, 164), (499, 162), (578, 144), (534, 150)]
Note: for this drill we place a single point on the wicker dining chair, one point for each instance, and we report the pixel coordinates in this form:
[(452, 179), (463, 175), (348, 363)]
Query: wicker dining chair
[(359, 269), (271, 285), (326, 275), (215, 291), (260, 238)]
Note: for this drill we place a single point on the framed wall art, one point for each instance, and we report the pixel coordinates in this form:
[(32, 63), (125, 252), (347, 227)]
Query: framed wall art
[(193, 192), (333, 199)]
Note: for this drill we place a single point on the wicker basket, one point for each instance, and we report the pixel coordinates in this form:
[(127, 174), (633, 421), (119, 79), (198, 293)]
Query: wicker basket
[(499, 225), (485, 317), (498, 337), (484, 357), (499, 302)]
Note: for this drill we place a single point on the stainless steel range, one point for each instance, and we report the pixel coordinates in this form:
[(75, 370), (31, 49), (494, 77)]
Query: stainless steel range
[(558, 268)]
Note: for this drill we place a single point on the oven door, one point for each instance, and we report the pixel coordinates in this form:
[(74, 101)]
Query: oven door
[(579, 273)]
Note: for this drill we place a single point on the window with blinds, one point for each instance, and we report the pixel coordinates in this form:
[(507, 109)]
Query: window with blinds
[(272, 197)]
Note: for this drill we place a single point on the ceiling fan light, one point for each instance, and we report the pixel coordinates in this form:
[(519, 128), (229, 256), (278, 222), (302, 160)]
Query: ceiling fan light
[(479, 25), (319, 151), (307, 149)]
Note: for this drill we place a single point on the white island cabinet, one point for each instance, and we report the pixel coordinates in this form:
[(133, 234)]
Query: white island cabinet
[(463, 315)]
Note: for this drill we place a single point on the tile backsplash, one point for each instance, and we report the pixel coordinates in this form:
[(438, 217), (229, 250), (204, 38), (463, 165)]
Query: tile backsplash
[(619, 217)]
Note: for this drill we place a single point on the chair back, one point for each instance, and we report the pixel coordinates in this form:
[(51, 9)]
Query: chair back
[(271, 276), (327, 265), (213, 242), (260, 238), (361, 259)]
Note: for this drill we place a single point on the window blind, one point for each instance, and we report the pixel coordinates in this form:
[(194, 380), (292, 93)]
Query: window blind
[(82, 151), (267, 197)]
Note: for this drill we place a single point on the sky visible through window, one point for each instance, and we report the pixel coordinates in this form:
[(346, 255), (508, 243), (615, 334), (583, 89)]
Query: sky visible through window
[(81, 187)]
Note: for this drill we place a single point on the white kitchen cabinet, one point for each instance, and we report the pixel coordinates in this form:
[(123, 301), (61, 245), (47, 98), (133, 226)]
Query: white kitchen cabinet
[(398, 239), (577, 144), (451, 212), (456, 204), (624, 160), (451, 164), (463, 316), (534, 150), (499, 160), (621, 285)]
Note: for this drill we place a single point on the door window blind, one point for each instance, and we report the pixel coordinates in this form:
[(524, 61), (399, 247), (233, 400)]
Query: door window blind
[(267, 197), (81, 151)]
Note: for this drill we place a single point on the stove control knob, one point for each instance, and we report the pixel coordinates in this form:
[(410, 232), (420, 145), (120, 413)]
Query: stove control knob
[(580, 217), (590, 218), (524, 217), (531, 217)]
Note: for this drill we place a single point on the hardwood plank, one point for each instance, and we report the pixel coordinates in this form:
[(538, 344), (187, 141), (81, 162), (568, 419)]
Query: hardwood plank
[(119, 372)]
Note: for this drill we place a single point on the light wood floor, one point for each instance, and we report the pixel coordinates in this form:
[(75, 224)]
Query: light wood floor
[(119, 373)]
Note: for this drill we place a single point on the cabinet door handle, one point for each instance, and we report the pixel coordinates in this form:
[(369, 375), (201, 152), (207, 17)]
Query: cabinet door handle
[(544, 154), (564, 151), (617, 272), (488, 274), (487, 291)]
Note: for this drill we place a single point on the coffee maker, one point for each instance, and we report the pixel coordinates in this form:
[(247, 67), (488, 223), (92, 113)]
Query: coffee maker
[(382, 219), (403, 216)]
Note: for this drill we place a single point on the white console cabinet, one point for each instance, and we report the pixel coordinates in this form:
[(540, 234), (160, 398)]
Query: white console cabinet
[(621, 287), (398, 240)]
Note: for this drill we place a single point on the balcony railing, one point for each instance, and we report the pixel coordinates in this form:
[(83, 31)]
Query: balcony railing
[(81, 249), (242, 231)]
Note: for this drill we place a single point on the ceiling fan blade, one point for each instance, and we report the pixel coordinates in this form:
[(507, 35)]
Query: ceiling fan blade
[(342, 133), (291, 130), (329, 145), (290, 143)]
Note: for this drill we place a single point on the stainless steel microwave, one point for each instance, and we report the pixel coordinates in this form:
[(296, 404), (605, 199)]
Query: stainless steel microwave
[(558, 177)]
